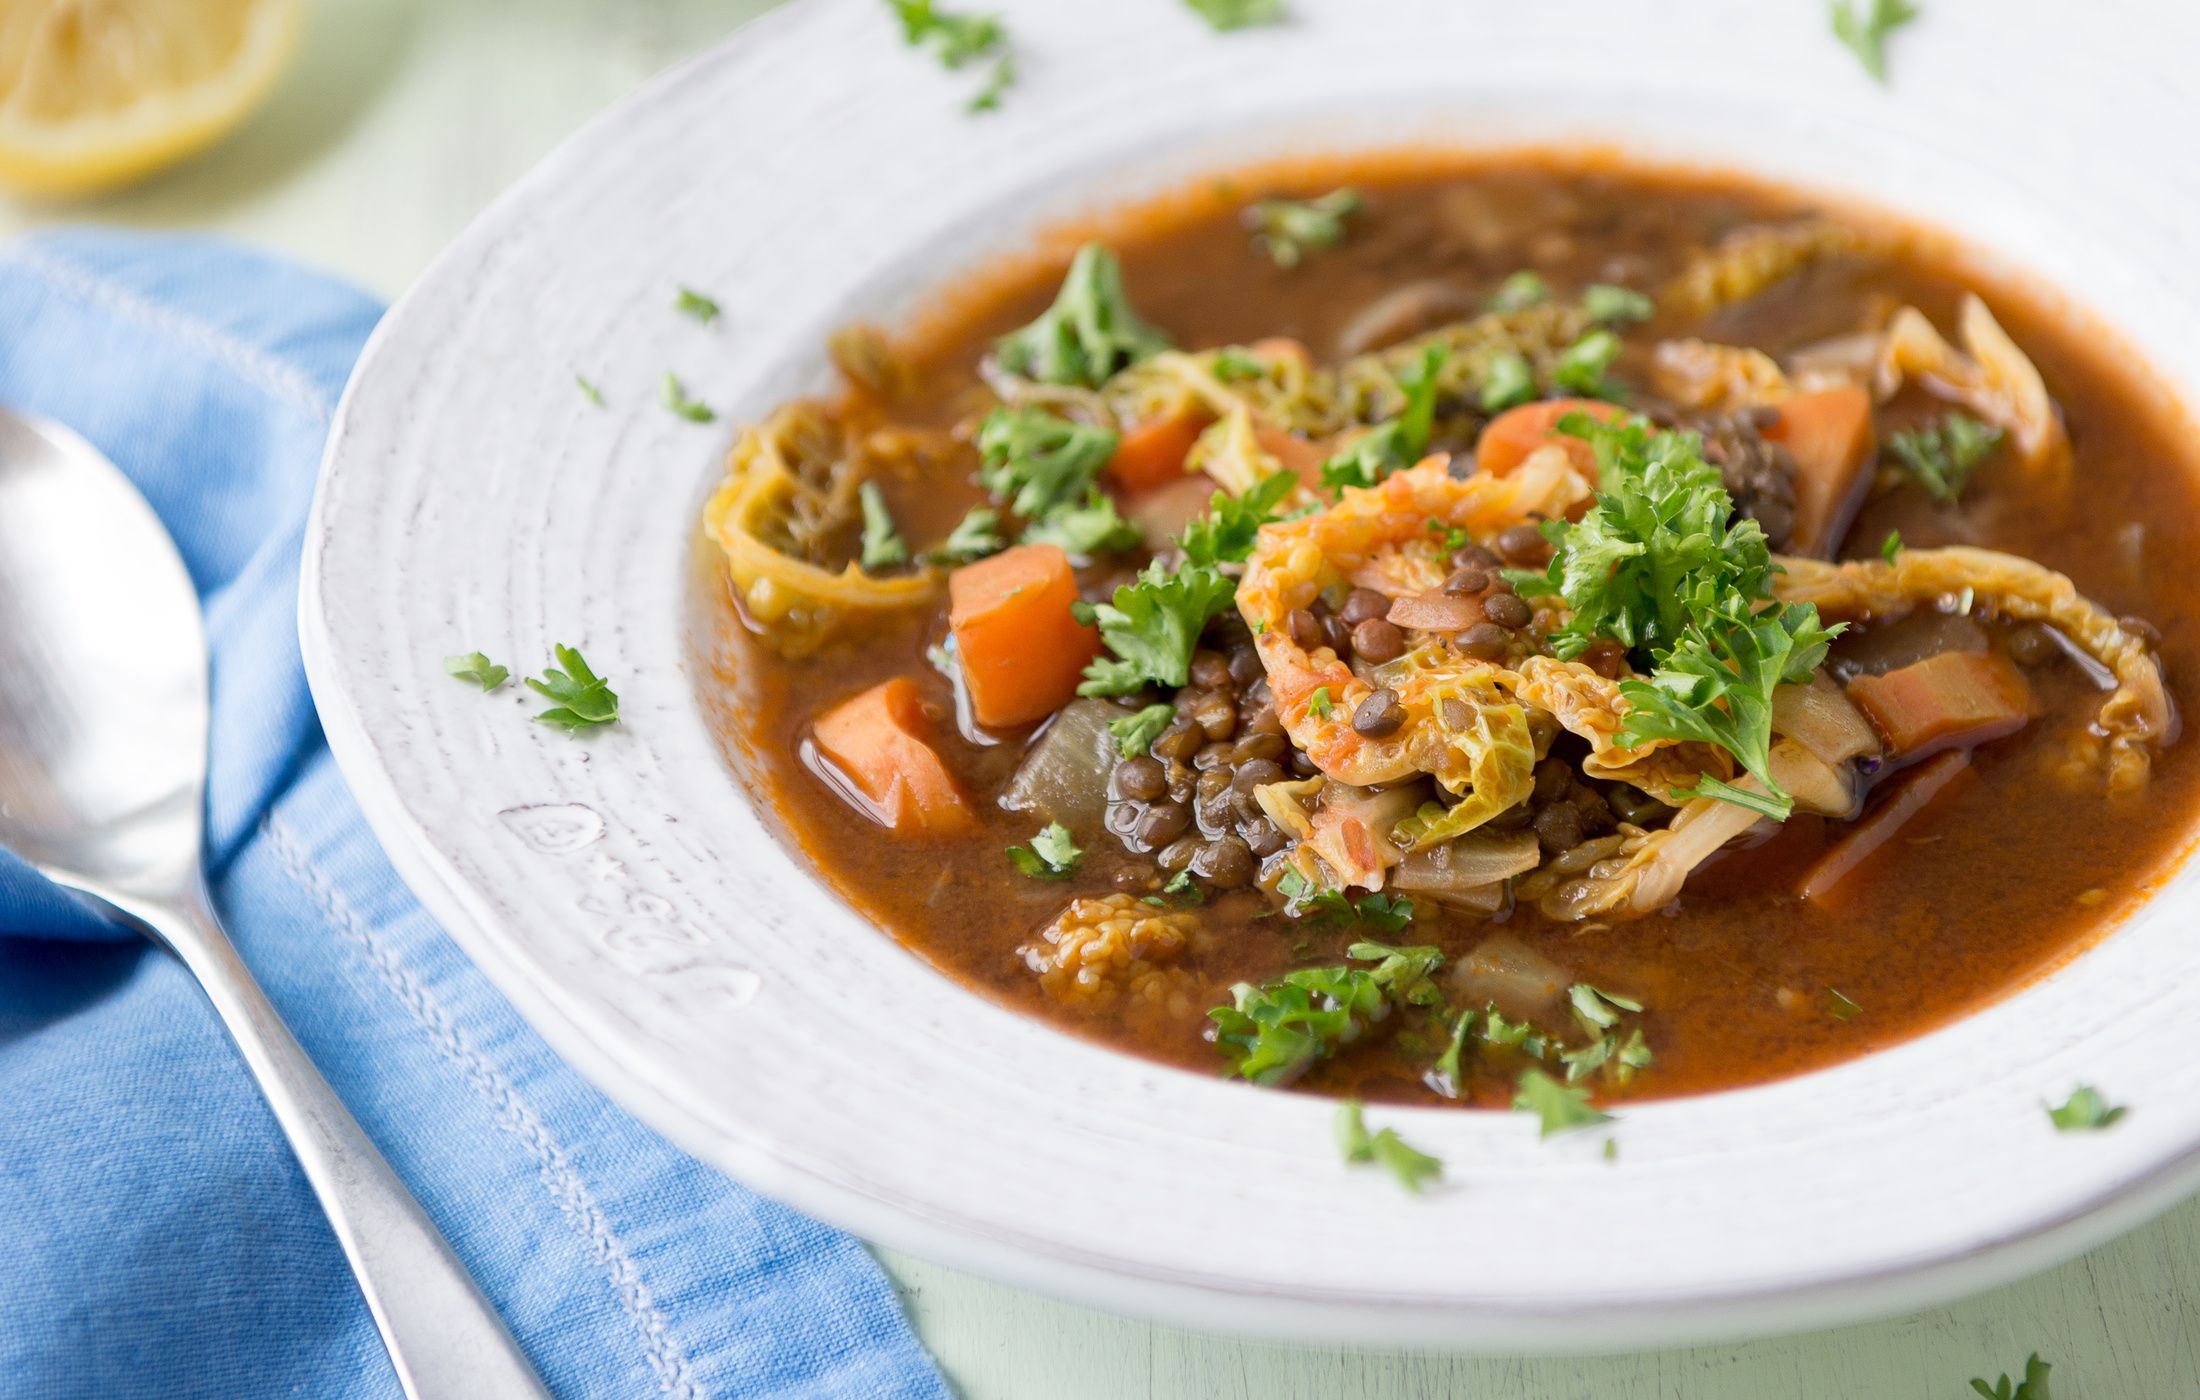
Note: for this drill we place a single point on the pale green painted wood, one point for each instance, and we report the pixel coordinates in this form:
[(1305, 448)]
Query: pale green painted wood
[(401, 120)]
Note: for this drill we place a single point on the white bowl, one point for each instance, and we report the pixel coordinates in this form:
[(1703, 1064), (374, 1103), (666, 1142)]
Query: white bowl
[(623, 892)]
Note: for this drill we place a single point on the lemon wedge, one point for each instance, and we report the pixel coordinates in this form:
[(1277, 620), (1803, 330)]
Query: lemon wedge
[(97, 92)]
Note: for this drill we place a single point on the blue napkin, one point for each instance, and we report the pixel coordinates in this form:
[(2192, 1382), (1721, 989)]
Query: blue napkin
[(156, 1239)]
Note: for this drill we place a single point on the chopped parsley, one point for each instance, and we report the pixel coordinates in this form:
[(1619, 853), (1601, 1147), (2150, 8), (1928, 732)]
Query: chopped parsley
[(1398, 443), (1866, 33), (1225, 534), (1085, 528), (1941, 455), (1318, 704), (1135, 732), (2084, 1111), (1508, 380), (1560, 1108), (1272, 1032), (975, 536), (1037, 461), (1890, 548), (1662, 564), (1840, 1007), (1598, 1009), (1235, 362), (2032, 1387), (1288, 229), (1519, 292), (676, 398), (1606, 303), (588, 390), (959, 40), (1152, 625), (1179, 889), (882, 543), (1089, 333), (1413, 1168), (1226, 15), (1387, 914), (1052, 854), (1582, 367), (584, 701), (479, 669), (694, 303)]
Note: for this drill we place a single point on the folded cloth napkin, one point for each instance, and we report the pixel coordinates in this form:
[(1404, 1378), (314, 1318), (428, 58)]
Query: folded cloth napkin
[(156, 1238)]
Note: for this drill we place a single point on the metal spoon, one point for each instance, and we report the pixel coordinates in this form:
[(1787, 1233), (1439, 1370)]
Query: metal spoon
[(103, 723)]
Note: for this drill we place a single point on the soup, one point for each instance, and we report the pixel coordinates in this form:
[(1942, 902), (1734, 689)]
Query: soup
[(1415, 629)]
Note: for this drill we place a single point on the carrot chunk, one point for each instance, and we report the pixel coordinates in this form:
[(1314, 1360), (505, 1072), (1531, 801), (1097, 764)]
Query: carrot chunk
[(1152, 454), (1022, 651), (1516, 432), (1954, 700), (876, 743), (1829, 434), (1920, 789)]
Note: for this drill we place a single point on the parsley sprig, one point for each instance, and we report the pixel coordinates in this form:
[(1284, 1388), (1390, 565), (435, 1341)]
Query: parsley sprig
[(1134, 733), (1662, 564), (1413, 1167), (1288, 229), (1384, 913), (479, 669), (583, 699), (693, 303), (1559, 1108), (2032, 1387), (1272, 1032), (2086, 1110), (1226, 15), (959, 40), (883, 546), (1090, 332), (1866, 32), (1047, 470), (1398, 443), (675, 396), (1941, 455), (1052, 855)]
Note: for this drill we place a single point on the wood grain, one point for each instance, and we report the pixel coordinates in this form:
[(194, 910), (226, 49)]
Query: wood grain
[(402, 120)]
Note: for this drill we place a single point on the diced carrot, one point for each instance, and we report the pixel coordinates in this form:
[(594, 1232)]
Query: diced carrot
[(1022, 651), (1823, 885), (1152, 454), (1293, 453), (1954, 700), (876, 742), (1513, 434), (1829, 434)]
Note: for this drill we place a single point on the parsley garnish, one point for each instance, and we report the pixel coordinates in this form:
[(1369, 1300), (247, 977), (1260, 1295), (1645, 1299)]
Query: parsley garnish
[(694, 303), (1508, 380), (998, 80), (958, 40), (1288, 229), (1606, 303), (1662, 564), (975, 536), (1560, 1107), (584, 701), (1225, 534), (1412, 1167), (1318, 704), (1180, 888), (1890, 548), (1037, 461), (1052, 854), (1086, 528), (1519, 292), (1840, 1007), (1089, 333), (1942, 454), (1866, 34), (2085, 1110), (1152, 625), (2032, 1387), (1226, 15), (1399, 443), (1581, 367), (1387, 914), (475, 667), (1272, 1032), (1135, 732), (676, 399), (588, 390), (1599, 1009), (882, 543)]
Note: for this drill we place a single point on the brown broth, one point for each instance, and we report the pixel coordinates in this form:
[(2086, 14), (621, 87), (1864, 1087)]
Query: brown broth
[(2010, 876)]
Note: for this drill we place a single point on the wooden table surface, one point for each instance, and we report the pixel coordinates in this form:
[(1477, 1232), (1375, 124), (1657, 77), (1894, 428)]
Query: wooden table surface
[(400, 120)]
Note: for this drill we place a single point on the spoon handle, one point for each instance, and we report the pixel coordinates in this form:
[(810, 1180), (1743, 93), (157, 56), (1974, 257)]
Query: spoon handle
[(444, 1338)]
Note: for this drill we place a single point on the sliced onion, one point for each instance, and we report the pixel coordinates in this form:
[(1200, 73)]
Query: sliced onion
[(1064, 776), (1436, 611), (1821, 718), (1829, 789), (1522, 982)]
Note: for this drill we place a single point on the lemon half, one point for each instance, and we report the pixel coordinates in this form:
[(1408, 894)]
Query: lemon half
[(97, 92)]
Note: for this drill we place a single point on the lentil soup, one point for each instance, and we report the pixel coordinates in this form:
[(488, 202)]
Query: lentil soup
[(1408, 628)]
